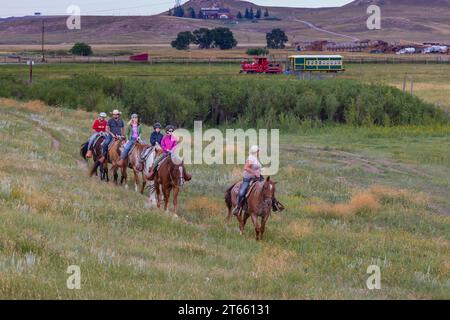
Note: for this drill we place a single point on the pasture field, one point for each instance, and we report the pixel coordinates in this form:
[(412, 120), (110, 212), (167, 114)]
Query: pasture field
[(431, 82), (355, 197)]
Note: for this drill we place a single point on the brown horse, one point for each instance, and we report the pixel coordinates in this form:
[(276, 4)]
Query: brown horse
[(140, 160), (259, 204), (113, 157), (96, 155), (171, 175)]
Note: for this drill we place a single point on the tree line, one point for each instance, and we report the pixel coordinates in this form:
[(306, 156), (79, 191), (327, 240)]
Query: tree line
[(205, 38), (223, 39), (255, 102), (249, 14)]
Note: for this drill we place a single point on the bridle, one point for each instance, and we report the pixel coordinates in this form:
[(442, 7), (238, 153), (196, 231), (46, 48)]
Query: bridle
[(267, 200), (181, 177)]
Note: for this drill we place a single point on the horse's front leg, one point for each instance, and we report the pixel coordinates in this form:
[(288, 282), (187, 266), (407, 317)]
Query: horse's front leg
[(136, 180), (158, 194), (263, 225), (115, 175), (124, 179), (152, 195), (106, 172), (257, 227), (144, 183), (166, 198)]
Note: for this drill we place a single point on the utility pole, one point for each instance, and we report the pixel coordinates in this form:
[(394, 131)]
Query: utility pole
[(43, 32), (30, 63)]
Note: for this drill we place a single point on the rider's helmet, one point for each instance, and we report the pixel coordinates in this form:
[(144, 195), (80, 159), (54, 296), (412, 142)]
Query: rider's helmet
[(157, 126), (134, 116), (170, 128), (254, 149), (102, 115)]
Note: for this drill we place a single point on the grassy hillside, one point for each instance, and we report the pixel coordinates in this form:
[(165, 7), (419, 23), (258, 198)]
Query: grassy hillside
[(355, 197), (409, 20)]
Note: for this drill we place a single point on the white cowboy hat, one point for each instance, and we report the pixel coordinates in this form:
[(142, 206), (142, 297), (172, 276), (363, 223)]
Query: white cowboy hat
[(116, 112)]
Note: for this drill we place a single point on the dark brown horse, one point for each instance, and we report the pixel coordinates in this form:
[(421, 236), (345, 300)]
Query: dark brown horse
[(259, 205), (113, 158), (171, 175), (96, 155)]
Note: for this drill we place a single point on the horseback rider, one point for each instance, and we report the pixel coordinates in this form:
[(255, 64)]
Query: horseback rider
[(156, 135), (133, 134), (252, 172), (168, 145), (98, 127), (114, 128)]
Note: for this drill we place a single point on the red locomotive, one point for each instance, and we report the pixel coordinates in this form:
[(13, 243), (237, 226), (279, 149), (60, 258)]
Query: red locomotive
[(260, 65)]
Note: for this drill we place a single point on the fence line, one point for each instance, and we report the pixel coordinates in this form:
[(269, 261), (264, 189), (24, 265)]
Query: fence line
[(169, 60)]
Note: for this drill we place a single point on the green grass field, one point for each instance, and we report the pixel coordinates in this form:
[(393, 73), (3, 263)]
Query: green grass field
[(430, 81), (355, 197)]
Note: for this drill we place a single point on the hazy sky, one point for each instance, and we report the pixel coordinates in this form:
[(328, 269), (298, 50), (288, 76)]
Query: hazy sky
[(130, 7)]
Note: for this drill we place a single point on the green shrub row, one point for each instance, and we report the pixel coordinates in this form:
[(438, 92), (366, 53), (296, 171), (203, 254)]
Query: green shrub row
[(261, 102)]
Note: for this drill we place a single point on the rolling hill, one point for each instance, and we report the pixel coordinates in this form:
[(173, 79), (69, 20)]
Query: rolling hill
[(410, 20)]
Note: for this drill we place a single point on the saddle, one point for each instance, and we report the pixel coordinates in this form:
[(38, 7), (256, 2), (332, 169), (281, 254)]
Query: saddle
[(250, 189), (145, 153), (143, 156), (277, 206), (103, 143), (161, 162)]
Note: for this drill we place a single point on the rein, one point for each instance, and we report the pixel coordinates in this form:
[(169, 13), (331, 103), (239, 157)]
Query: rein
[(171, 177)]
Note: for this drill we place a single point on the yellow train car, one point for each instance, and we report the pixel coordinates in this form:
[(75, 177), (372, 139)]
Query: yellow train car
[(323, 63)]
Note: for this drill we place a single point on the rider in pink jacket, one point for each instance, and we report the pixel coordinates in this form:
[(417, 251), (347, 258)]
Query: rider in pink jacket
[(168, 144)]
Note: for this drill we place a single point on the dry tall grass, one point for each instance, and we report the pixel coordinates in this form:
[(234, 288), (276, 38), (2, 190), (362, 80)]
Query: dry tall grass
[(361, 202), (369, 200)]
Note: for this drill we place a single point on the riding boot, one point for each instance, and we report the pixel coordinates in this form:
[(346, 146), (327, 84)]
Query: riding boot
[(89, 154), (277, 206), (238, 208)]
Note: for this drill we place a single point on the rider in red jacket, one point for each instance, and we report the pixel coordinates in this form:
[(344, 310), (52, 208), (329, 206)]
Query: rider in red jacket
[(98, 127)]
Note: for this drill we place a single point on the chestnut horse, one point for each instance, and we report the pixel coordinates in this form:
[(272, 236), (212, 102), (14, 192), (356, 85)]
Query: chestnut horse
[(259, 204), (171, 175), (113, 157), (96, 155)]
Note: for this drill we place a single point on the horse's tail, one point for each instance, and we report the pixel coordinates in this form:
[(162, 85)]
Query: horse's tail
[(84, 150), (228, 201)]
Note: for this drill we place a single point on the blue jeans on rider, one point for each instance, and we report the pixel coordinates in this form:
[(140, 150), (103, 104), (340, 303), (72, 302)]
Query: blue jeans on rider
[(106, 143), (91, 140), (244, 187), (127, 148)]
